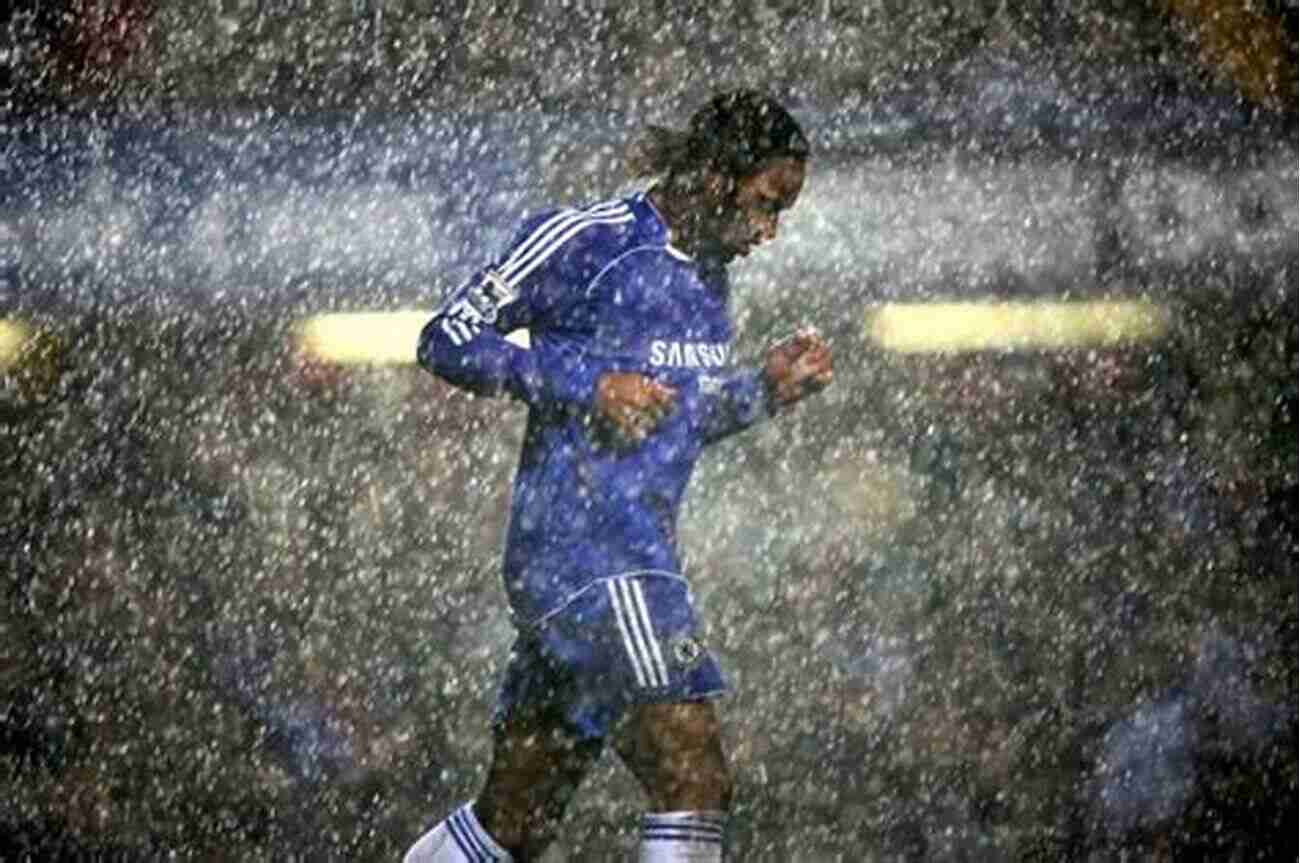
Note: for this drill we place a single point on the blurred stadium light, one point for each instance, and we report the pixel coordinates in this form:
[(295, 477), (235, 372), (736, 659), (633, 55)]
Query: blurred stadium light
[(389, 338), (14, 335), (368, 338), (977, 326)]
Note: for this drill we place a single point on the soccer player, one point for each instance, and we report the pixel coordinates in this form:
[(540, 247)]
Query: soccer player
[(629, 375)]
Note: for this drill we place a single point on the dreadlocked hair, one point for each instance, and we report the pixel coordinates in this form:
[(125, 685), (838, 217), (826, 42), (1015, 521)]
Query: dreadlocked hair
[(732, 134)]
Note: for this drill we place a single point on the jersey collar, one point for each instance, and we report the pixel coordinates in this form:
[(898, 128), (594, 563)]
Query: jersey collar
[(661, 233)]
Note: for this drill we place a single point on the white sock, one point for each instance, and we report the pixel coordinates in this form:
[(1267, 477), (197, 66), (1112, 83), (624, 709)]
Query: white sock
[(458, 838), (681, 837)]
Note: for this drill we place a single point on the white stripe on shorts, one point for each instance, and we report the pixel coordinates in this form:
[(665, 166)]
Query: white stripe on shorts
[(656, 657), (638, 635), (628, 644)]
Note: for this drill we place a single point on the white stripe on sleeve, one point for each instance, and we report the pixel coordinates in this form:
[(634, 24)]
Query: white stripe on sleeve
[(551, 236)]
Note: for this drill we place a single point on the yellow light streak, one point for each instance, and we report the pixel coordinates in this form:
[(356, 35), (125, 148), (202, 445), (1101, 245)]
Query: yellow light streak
[(369, 338), (14, 335), (955, 327)]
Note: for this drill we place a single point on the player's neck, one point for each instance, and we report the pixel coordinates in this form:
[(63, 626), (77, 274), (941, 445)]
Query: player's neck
[(679, 209), (669, 208)]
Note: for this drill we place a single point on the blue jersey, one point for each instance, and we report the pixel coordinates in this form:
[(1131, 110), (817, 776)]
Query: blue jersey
[(598, 289)]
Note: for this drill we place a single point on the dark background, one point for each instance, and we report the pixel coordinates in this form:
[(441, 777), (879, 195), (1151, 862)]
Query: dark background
[(1032, 605)]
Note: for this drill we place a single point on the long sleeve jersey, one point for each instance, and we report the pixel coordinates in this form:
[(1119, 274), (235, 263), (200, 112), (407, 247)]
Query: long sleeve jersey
[(599, 289)]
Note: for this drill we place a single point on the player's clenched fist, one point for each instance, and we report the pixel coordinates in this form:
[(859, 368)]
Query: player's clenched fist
[(633, 404), (797, 366)]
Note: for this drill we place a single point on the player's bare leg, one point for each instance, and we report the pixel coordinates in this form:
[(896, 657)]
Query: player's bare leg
[(675, 750), (536, 768)]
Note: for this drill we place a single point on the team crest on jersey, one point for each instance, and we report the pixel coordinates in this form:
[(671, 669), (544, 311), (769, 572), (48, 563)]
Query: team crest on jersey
[(687, 651)]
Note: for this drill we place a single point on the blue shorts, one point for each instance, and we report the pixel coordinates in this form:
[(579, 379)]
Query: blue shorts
[(621, 641)]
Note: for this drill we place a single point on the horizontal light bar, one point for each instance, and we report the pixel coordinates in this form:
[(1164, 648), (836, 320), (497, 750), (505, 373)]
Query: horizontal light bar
[(13, 336), (369, 338), (952, 327)]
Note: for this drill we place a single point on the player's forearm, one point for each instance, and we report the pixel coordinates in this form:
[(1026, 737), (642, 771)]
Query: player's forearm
[(559, 374), (486, 363), (740, 399), (475, 361)]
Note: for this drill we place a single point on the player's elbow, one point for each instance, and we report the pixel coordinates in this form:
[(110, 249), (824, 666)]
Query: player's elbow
[(447, 350), (435, 348)]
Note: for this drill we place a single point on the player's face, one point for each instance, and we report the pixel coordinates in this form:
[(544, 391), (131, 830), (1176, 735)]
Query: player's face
[(750, 214)]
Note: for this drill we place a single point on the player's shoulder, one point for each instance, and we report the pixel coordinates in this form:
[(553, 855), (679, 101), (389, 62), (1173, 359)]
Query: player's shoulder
[(585, 235)]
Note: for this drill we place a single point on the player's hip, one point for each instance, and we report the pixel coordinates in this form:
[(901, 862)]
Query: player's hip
[(541, 578), (624, 639)]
